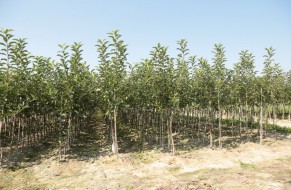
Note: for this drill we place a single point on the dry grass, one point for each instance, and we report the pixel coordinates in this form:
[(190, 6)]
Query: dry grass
[(249, 166)]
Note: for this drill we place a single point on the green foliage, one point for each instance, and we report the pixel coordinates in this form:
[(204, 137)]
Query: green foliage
[(38, 93), (129, 188), (247, 166), (112, 71)]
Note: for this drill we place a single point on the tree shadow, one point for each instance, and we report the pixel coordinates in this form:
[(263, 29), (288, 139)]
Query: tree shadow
[(95, 142), (29, 156)]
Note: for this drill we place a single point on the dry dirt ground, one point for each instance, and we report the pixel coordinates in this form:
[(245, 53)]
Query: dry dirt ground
[(248, 166), (282, 123)]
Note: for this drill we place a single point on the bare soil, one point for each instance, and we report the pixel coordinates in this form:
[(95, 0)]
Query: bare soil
[(279, 122), (248, 166), (282, 123)]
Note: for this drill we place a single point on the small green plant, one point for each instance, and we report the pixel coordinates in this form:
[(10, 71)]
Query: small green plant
[(247, 165), (174, 169), (129, 188)]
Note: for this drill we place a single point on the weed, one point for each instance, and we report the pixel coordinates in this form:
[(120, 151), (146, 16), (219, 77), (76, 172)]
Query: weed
[(129, 188), (174, 169), (247, 165)]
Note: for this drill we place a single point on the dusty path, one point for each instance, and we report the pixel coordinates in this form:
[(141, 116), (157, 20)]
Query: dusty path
[(282, 123), (248, 166)]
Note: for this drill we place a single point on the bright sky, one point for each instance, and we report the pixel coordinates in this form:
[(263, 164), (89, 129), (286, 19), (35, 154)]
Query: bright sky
[(238, 25)]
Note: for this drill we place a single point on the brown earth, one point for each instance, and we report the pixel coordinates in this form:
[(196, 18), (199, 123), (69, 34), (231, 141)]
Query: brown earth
[(249, 166), (282, 123)]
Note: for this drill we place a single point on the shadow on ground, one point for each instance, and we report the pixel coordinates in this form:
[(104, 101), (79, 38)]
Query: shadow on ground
[(95, 142)]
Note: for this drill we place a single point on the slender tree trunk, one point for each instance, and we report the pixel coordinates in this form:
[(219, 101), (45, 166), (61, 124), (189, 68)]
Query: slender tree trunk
[(261, 119), (210, 136), (12, 137), (171, 132), (240, 116), (23, 132), (168, 129), (5, 126), (1, 150), (255, 114), (199, 125), (112, 135), (283, 114), (210, 129), (274, 114), (28, 131), (246, 117), (204, 131), (289, 112), (153, 118), (60, 139), (69, 132), (267, 116), (219, 120), (18, 134), (162, 130), (219, 128), (232, 120), (192, 120), (252, 118), (115, 131), (35, 125)]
